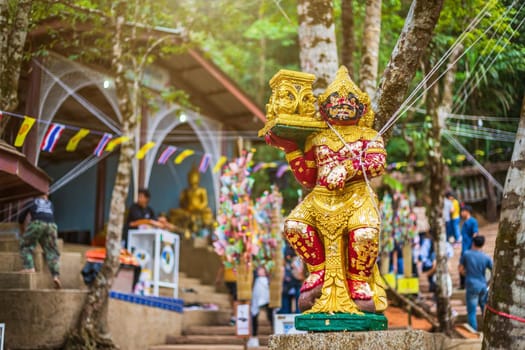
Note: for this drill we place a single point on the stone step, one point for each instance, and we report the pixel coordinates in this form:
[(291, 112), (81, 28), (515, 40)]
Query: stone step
[(212, 339), (219, 299), (190, 284), (205, 318), (223, 330), (12, 262), (70, 267), (12, 245), (203, 347)]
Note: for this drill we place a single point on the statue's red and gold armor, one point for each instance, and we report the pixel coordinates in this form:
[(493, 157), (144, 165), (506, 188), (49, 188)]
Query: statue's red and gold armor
[(335, 229)]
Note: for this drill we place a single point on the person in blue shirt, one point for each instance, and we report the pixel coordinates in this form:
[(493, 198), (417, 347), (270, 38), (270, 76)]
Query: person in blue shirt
[(469, 230), (473, 265)]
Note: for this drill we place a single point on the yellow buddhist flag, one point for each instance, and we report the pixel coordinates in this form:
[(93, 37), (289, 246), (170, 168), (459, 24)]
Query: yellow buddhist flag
[(144, 149), (72, 144), (183, 155), (219, 164), (115, 142), (24, 130)]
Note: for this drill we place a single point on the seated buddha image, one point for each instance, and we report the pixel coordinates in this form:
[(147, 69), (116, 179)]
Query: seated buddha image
[(194, 215)]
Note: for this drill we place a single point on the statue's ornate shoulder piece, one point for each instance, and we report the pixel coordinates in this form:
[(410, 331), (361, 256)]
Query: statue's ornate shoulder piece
[(291, 111)]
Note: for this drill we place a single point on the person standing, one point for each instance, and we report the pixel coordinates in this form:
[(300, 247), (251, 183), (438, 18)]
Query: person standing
[(454, 218), (292, 281), (447, 209), (41, 229), (469, 230), (260, 300), (139, 214), (473, 265)]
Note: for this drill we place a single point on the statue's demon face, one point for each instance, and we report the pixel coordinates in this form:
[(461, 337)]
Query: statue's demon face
[(342, 110)]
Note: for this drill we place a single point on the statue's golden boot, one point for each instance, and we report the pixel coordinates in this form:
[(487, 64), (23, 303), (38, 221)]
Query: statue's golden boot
[(304, 239), (362, 255)]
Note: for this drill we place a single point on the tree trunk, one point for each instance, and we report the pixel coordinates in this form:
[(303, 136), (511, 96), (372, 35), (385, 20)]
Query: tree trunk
[(13, 33), (507, 287), (92, 329), (348, 46), (437, 225), (370, 48), (317, 44), (437, 107), (412, 42)]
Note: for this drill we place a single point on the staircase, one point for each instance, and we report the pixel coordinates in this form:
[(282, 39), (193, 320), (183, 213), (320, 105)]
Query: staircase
[(207, 310), (216, 337), (28, 301), (457, 300), (11, 264)]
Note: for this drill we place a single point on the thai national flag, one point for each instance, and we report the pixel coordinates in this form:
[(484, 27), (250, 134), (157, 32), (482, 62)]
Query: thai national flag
[(102, 144), (166, 154), (51, 138), (205, 162)]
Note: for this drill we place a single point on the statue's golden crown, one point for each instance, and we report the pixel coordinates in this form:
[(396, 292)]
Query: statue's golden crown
[(344, 86)]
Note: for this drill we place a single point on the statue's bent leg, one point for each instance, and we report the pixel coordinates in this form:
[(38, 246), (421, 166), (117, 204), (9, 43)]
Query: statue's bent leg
[(304, 239), (362, 254)]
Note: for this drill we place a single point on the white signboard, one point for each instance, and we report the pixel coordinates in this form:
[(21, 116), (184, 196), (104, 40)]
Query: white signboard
[(242, 320), (285, 324)]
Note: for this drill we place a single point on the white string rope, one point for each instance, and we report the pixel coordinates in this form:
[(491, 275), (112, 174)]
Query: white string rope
[(110, 123), (472, 117), (403, 108), (361, 165), (470, 84), (472, 159), (72, 174), (478, 78)]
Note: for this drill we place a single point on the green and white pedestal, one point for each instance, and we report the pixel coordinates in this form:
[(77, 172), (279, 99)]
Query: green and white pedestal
[(383, 340), (341, 322)]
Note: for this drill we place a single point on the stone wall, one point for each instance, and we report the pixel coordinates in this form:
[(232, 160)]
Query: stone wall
[(40, 319)]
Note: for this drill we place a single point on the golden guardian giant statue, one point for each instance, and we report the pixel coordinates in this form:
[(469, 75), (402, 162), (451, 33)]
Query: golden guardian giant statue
[(333, 152)]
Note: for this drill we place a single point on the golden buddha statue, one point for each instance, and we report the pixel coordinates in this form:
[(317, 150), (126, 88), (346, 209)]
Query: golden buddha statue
[(335, 229), (194, 213)]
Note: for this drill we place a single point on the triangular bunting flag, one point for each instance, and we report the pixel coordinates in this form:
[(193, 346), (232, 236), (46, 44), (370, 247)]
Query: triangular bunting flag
[(166, 154), (222, 160), (144, 149), (51, 138), (183, 155), (72, 144), (205, 162), (115, 142), (24, 130), (102, 144)]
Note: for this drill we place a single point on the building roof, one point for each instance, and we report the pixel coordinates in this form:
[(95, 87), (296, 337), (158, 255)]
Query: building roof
[(19, 178)]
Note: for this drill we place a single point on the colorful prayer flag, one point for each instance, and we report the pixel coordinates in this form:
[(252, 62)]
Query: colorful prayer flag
[(222, 160), (281, 170), (166, 154), (183, 155), (24, 130), (144, 149), (102, 144), (50, 140), (73, 142), (115, 142), (205, 163)]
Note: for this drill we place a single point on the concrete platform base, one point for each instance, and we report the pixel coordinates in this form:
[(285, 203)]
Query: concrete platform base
[(399, 340)]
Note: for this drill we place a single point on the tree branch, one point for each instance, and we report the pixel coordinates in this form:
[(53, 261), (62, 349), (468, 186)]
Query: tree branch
[(414, 39), (106, 18)]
